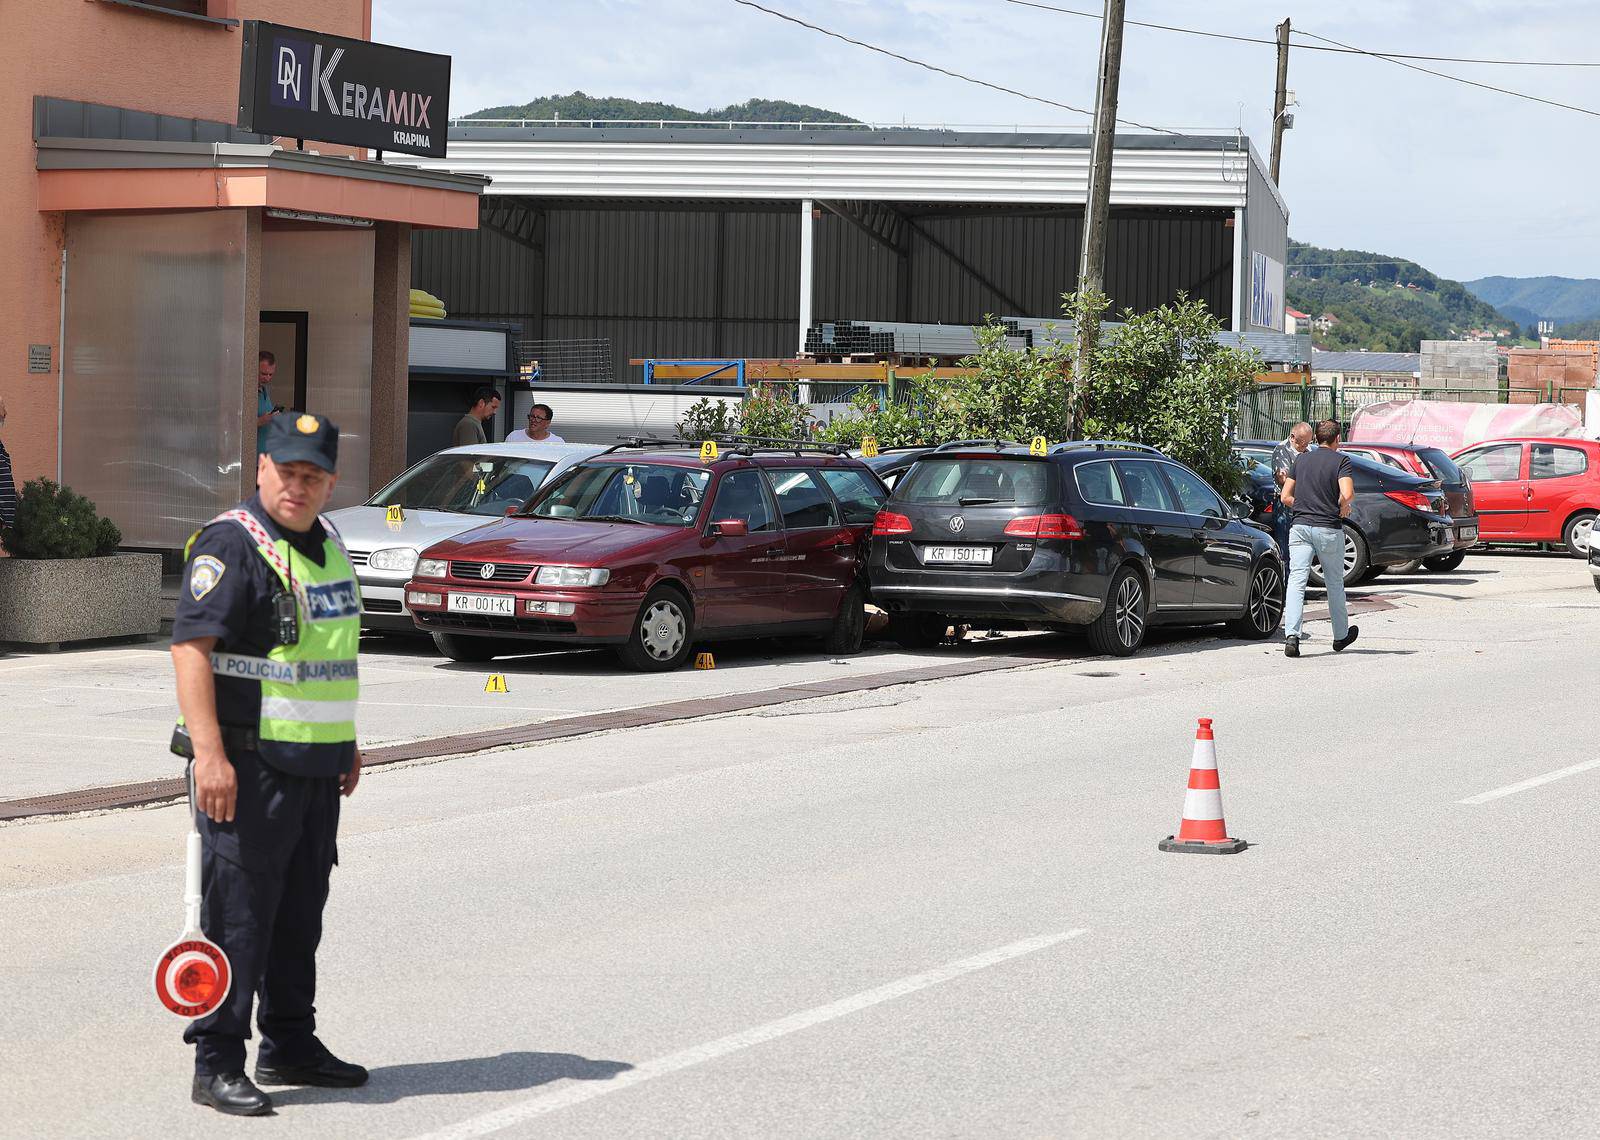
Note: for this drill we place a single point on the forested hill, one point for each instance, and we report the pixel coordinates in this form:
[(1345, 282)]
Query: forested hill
[(1533, 299), (1383, 303), (581, 106)]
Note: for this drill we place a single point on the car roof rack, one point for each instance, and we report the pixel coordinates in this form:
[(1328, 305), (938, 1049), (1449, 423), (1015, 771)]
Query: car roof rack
[(733, 444), (1104, 445), (997, 444)]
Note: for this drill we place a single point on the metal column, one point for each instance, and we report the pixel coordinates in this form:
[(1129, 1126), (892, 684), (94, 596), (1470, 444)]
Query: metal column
[(805, 273), (1241, 295)]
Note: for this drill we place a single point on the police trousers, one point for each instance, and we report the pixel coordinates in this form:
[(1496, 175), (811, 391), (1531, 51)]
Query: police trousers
[(264, 880)]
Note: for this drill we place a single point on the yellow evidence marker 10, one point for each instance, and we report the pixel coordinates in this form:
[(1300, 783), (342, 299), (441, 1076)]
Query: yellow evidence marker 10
[(395, 514)]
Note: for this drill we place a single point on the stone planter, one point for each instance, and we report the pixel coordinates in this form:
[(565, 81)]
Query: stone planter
[(45, 602)]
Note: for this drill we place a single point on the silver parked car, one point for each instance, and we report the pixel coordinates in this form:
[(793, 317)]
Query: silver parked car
[(439, 497)]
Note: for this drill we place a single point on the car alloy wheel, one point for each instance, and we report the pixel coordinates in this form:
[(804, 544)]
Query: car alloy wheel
[(1349, 555), (1266, 600), (662, 630), (1130, 611), (1579, 531)]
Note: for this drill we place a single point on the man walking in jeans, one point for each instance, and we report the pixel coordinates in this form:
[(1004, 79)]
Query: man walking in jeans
[(1320, 488)]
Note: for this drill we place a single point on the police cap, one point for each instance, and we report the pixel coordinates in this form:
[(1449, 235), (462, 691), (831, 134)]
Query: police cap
[(303, 438)]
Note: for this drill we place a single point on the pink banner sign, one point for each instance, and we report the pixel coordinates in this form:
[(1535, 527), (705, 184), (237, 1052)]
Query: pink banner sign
[(1429, 423)]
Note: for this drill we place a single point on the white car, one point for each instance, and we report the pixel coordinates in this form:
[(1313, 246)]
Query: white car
[(439, 497)]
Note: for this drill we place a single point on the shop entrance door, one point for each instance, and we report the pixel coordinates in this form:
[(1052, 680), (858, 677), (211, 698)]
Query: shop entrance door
[(283, 334)]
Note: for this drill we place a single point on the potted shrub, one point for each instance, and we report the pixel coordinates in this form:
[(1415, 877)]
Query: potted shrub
[(65, 580)]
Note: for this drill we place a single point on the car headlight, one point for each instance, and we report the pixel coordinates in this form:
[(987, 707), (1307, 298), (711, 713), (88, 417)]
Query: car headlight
[(432, 568), (571, 576), (401, 558)]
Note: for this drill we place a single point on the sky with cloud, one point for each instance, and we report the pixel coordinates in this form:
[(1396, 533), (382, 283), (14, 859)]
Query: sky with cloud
[(1467, 182)]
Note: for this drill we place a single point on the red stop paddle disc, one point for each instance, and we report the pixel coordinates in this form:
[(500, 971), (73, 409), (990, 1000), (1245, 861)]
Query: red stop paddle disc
[(192, 977)]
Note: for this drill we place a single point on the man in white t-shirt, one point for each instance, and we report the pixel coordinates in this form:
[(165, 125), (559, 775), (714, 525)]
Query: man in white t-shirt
[(538, 429)]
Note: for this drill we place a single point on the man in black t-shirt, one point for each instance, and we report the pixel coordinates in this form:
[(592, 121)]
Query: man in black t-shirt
[(1320, 488)]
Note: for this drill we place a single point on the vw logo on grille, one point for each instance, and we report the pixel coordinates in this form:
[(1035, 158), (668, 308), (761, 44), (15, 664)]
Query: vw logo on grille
[(487, 571), (957, 524)]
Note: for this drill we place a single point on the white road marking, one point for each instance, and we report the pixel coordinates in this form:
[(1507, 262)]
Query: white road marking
[(579, 1092), (1524, 785)]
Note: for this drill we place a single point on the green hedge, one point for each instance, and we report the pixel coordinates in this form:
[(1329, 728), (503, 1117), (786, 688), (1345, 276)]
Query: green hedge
[(56, 522)]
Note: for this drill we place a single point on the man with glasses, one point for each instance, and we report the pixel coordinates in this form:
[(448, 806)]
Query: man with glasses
[(538, 429)]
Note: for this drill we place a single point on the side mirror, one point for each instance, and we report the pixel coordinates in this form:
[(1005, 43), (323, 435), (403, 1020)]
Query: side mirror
[(730, 528)]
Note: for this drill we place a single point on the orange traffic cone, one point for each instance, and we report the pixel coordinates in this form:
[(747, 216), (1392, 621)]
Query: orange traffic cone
[(1202, 831)]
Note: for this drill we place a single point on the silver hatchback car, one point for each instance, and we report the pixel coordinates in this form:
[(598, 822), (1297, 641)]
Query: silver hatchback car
[(439, 497)]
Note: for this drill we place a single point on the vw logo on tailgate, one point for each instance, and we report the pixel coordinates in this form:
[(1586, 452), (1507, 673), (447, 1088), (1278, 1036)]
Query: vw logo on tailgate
[(957, 524), (487, 571)]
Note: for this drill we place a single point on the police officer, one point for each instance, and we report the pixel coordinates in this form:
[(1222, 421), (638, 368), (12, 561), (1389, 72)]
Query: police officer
[(264, 647)]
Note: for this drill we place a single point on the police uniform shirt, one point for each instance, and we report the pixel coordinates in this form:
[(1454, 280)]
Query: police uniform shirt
[(226, 593)]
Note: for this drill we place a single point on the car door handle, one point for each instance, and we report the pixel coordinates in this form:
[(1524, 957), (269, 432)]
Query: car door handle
[(772, 551), (843, 546)]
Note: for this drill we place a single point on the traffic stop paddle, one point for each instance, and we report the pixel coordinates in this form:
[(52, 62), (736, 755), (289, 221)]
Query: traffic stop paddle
[(192, 976)]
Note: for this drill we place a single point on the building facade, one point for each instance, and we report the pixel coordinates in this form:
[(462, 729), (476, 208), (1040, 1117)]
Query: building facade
[(152, 248)]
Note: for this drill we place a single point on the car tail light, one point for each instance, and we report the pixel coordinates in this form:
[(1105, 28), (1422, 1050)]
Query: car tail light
[(888, 522), (1045, 526), (1414, 500)]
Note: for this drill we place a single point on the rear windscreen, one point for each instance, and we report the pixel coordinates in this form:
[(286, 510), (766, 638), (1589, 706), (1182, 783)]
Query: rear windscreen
[(1443, 467), (976, 482)]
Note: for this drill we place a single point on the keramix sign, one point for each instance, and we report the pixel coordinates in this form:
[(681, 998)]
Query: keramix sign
[(309, 85)]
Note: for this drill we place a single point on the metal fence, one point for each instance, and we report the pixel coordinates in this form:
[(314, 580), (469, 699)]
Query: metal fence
[(584, 361), (1269, 411)]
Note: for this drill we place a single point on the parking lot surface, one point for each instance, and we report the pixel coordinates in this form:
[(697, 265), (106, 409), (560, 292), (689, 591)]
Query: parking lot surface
[(934, 909)]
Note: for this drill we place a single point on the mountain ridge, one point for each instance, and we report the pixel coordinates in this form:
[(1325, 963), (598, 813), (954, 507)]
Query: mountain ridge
[(581, 106), (1529, 300)]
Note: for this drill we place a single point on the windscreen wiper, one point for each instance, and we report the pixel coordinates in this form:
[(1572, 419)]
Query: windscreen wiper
[(611, 518), (979, 502)]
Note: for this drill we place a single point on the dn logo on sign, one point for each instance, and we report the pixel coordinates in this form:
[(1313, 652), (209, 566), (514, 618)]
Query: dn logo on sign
[(289, 87)]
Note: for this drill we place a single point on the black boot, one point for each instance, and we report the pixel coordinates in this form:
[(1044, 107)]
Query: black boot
[(1291, 647), (325, 1071), (231, 1093), (1347, 640)]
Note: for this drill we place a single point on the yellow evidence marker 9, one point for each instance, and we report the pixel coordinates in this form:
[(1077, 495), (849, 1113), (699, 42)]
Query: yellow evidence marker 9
[(496, 683), (708, 451)]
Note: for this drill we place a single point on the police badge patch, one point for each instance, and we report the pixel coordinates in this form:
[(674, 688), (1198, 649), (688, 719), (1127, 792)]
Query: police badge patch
[(204, 574)]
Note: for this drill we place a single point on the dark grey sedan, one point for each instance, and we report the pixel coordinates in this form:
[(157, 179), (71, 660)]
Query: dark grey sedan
[(1396, 518)]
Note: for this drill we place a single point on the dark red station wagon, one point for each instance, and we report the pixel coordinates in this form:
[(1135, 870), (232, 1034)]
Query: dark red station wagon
[(654, 551)]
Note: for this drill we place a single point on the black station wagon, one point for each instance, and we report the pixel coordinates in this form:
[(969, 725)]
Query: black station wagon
[(1111, 538)]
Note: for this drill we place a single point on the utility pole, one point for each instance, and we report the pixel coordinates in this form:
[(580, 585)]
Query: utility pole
[(1280, 103), (1097, 210)]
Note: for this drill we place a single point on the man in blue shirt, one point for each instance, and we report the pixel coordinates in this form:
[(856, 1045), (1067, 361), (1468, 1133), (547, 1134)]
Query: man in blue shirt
[(266, 368)]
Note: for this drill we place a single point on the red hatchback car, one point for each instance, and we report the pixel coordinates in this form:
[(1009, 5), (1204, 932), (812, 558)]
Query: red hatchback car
[(653, 552), (1535, 490)]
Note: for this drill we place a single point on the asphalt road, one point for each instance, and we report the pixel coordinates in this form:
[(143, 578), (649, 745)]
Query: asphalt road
[(934, 910)]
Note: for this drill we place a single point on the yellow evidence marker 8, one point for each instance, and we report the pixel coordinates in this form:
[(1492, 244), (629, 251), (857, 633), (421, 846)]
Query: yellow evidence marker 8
[(496, 683), (1038, 446), (869, 447), (708, 451)]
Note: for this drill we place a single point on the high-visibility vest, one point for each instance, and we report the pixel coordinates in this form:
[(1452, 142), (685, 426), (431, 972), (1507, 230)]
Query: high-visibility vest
[(308, 689)]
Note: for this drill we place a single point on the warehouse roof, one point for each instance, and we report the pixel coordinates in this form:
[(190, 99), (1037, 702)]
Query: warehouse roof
[(1407, 362), (1213, 171)]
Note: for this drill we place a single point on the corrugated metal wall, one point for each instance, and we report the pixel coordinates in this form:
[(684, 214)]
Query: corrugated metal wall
[(724, 282)]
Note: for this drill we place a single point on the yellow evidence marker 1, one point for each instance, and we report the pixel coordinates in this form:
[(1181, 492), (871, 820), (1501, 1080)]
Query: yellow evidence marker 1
[(704, 661), (496, 683), (1038, 446), (869, 447), (708, 451)]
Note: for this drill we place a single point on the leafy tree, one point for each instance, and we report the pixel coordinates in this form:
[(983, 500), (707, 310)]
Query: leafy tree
[(770, 411)]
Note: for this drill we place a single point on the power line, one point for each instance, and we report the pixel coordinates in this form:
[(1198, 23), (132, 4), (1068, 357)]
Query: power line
[(1459, 79), (1339, 49), (942, 70)]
